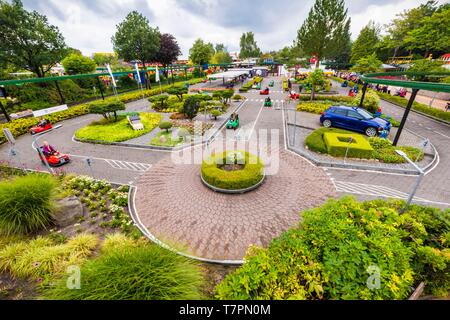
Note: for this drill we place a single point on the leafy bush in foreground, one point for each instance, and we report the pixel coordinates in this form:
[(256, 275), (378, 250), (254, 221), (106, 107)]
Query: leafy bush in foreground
[(128, 270), (27, 203), (336, 248)]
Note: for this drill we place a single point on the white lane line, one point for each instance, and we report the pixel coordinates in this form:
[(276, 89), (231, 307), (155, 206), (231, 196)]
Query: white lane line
[(377, 191), (439, 133), (120, 165)]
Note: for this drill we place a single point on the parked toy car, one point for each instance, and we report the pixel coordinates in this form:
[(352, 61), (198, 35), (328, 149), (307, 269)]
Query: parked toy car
[(295, 95), (271, 83), (354, 119)]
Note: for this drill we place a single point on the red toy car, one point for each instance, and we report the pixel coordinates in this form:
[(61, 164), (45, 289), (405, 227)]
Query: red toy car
[(41, 127), (295, 96), (55, 160), (264, 92)]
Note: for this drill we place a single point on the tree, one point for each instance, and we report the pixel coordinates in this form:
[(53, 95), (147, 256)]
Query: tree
[(433, 35), (249, 48), (78, 64), (190, 107), (27, 40), (369, 64), (178, 91), (325, 33), (135, 40), (201, 52), (220, 47), (371, 100), (159, 102), (169, 50), (366, 43), (166, 125), (105, 108), (102, 59), (221, 57), (316, 79), (426, 65), (406, 22)]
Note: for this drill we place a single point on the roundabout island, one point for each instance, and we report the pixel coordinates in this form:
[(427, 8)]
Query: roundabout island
[(174, 206)]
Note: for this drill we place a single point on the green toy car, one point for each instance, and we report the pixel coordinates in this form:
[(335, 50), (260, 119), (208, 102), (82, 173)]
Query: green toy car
[(271, 83), (268, 103), (233, 123)]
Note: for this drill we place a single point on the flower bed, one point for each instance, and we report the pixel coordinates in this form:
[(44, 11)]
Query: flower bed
[(106, 131), (233, 171)]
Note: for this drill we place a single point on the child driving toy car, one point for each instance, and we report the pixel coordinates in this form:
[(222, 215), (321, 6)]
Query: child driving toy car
[(48, 150)]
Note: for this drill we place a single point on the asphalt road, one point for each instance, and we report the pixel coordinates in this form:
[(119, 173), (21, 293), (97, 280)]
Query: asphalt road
[(126, 165)]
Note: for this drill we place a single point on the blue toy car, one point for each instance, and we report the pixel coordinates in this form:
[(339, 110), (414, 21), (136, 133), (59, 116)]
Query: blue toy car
[(354, 119)]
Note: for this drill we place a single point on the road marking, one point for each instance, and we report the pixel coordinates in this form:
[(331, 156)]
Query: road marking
[(118, 164), (439, 133), (377, 191)]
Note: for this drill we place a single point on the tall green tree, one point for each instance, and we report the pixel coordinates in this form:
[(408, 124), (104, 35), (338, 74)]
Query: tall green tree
[(221, 57), (366, 43), (201, 52), (403, 24), (27, 40), (102, 59), (78, 64), (249, 47), (220, 47), (135, 40), (433, 35), (369, 64), (326, 31)]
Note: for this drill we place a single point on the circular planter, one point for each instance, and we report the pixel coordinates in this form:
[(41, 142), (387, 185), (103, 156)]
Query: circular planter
[(250, 177)]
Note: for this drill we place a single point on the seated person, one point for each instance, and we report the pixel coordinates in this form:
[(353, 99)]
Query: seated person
[(233, 117), (268, 99), (48, 150), (43, 122)]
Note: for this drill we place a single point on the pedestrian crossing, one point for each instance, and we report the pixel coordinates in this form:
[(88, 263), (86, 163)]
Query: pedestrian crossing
[(372, 190), (271, 91), (262, 100), (130, 166)]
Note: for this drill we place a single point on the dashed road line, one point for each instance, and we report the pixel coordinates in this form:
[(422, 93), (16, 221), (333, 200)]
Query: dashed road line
[(126, 165)]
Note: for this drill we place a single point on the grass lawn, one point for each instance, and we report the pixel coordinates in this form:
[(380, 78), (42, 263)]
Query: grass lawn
[(119, 131), (168, 141)]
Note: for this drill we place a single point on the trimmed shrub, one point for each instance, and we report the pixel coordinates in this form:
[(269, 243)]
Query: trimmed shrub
[(166, 126), (337, 247), (215, 113), (106, 107), (27, 203), (354, 145), (314, 107), (237, 97), (371, 101), (315, 141), (127, 270), (251, 173)]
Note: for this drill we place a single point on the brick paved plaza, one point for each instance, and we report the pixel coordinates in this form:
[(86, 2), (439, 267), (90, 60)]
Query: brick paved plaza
[(178, 209)]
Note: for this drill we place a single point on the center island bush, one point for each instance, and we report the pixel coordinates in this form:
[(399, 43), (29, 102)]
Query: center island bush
[(246, 170), (339, 251), (107, 130)]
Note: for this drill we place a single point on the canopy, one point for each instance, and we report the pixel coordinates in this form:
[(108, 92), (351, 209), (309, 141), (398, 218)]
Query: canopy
[(228, 74)]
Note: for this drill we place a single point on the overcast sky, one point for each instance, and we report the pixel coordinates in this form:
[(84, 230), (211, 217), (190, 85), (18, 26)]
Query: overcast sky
[(89, 24)]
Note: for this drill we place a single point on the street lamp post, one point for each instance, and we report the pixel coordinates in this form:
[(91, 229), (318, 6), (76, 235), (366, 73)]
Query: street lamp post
[(418, 181)]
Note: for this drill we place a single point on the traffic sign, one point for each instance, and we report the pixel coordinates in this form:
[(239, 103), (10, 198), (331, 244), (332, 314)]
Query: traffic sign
[(44, 112), (9, 136)]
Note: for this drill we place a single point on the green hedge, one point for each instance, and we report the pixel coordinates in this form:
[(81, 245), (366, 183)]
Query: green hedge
[(323, 97), (338, 144), (314, 107), (315, 141), (250, 175), (383, 150), (438, 113), (333, 252)]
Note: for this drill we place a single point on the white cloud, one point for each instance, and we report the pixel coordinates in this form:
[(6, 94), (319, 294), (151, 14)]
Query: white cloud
[(89, 25)]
